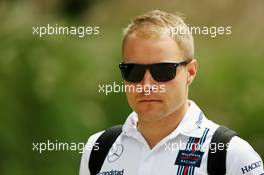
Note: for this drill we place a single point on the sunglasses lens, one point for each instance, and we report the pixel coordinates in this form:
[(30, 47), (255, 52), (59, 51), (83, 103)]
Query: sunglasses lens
[(133, 72), (163, 71)]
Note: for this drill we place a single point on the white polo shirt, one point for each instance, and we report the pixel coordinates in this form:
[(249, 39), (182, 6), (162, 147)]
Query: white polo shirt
[(131, 155)]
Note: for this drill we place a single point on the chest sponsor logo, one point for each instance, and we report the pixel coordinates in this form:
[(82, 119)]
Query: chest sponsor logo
[(112, 172), (189, 158), (115, 152), (250, 167)]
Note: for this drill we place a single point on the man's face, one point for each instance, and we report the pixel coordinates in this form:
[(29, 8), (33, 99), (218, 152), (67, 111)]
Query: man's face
[(151, 105)]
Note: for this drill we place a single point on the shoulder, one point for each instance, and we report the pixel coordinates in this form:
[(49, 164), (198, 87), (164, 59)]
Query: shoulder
[(84, 170), (242, 158), (90, 143)]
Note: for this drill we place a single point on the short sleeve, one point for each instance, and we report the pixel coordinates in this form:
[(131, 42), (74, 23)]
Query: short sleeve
[(242, 159)]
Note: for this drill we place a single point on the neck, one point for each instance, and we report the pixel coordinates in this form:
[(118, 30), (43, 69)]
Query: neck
[(155, 131)]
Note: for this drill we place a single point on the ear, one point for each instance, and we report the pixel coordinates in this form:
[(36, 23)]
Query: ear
[(191, 71)]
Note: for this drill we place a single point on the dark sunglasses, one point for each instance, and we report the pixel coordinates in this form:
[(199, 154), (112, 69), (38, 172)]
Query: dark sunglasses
[(161, 72)]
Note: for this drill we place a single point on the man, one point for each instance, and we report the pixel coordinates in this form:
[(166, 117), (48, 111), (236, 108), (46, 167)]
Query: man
[(167, 134)]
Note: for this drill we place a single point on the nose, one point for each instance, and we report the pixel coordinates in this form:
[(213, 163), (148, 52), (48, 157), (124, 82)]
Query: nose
[(148, 79)]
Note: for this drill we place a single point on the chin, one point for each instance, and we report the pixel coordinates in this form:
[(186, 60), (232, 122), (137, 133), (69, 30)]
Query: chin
[(149, 112), (148, 107)]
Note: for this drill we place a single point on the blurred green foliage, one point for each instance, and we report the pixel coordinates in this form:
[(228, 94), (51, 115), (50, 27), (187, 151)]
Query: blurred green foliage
[(49, 85)]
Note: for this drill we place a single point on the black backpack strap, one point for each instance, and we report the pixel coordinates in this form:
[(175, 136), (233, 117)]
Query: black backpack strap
[(102, 147), (216, 164)]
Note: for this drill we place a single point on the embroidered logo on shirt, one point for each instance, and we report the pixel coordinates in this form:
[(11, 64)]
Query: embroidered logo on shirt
[(250, 167), (115, 152), (191, 157)]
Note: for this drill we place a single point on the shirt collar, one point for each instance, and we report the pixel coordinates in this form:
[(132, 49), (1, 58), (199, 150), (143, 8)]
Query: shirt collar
[(192, 124)]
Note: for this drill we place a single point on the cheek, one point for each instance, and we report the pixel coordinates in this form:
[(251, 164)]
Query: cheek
[(131, 96), (175, 90)]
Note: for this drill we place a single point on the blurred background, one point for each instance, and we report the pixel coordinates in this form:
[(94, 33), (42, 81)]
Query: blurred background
[(49, 85)]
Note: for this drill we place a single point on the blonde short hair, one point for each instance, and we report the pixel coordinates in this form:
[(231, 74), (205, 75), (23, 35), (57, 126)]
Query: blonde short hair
[(157, 23)]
